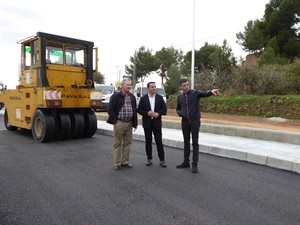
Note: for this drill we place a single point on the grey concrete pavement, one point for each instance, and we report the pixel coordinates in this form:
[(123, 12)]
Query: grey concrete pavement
[(236, 131), (271, 153)]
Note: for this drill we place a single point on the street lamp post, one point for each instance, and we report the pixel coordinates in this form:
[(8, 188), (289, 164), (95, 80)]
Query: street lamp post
[(134, 70), (193, 50), (118, 74)]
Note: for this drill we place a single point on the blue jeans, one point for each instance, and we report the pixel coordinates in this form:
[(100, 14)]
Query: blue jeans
[(188, 128)]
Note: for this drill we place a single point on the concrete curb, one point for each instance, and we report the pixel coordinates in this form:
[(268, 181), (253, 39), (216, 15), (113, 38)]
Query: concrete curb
[(254, 133), (267, 160)]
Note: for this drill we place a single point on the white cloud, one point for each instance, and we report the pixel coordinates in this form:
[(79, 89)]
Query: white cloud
[(119, 27)]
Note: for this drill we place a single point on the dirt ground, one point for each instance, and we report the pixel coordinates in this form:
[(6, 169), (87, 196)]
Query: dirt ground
[(244, 121)]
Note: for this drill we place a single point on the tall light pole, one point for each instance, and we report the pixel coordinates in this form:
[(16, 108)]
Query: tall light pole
[(118, 74), (193, 50), (134, 70)]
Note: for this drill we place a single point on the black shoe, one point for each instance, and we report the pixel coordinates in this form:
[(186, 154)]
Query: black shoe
[(149, 162), (183, 165), (194, 169), (117, 167), (127, 165), (163, 164)]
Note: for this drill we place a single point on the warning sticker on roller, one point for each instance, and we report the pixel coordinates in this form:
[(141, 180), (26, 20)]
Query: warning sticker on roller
[(96, 95), (48, 95)]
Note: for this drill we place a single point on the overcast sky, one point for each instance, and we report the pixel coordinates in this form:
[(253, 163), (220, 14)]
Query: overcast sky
[(119, 27)]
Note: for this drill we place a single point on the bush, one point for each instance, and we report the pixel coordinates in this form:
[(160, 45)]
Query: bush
[(285, 106), (266, 80)]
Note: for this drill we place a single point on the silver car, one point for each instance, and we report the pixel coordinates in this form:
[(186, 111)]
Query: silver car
[(107, 92)]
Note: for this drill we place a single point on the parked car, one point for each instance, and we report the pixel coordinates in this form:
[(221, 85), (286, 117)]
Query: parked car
[(107, 92)]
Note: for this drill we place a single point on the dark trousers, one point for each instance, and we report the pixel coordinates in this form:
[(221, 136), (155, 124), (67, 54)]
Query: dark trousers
[(158, 140), (189, 128)]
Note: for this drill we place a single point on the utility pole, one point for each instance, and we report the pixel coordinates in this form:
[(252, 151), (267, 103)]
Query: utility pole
[(193, 51), (134, 70), (118, 74)]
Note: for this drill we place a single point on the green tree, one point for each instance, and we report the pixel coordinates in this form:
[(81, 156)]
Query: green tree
[(252, 39), (99, 78), (270, 55), (281, 19), (172, 84), (279, 25), (142, 64), (223, 61), (202, 57), (167, 57), (213, 65)]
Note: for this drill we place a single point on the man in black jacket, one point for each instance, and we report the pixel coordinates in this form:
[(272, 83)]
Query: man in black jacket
[(188, 108), (152, 106), (122, 114)]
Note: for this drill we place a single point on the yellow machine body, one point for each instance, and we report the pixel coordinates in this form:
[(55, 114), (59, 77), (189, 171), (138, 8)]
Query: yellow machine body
[(56, 91)]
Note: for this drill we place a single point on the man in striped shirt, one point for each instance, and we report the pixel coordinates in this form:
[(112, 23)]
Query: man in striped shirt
[(122, 112)]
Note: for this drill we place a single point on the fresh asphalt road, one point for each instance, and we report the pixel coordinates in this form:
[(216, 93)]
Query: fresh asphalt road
[(73, 183)]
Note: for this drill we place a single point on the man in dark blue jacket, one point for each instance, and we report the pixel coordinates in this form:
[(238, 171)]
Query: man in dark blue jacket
[(188, 108), (152, 106)]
